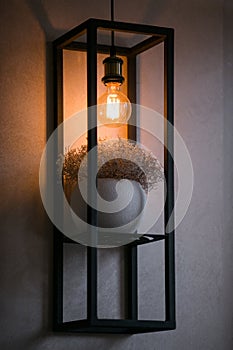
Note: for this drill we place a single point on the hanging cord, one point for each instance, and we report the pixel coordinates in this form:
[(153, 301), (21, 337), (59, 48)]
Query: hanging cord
[(112, 50), (112, 63)]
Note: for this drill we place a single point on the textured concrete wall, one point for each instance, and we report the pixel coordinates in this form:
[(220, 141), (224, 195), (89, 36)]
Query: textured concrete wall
[(204, 118)]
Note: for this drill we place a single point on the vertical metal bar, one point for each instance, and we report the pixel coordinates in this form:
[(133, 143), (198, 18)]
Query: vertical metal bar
[(131, 282), (169, 174), (131, 253), (92, 166), (131, 76), (57, 239), (57, 278)]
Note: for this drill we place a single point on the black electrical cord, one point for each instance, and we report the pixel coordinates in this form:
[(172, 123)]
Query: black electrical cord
[(112, 50)]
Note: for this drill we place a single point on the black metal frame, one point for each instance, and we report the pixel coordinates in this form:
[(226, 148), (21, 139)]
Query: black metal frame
[(130, 325)]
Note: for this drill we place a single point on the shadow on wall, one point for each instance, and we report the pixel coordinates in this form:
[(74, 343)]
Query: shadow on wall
[(50, 32), (41, 16)]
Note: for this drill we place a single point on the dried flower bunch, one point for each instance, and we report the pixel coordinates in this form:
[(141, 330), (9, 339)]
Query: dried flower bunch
[(120, 159)]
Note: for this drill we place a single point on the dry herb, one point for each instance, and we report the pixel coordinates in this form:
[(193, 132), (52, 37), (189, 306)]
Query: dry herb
[(121, 159)]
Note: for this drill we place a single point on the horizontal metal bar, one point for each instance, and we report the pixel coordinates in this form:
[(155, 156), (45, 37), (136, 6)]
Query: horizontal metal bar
[(71, 35), (146, 239), (146, 44), (130, 27), (136, 239), (120, 50), (133, 323), (79, 46), (115, 326)]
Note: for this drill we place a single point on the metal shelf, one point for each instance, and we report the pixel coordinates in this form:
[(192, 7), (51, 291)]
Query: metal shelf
[(134, 239), (120, 326)]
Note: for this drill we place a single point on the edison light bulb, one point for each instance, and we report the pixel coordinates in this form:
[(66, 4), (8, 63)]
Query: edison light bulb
[(114, 107)]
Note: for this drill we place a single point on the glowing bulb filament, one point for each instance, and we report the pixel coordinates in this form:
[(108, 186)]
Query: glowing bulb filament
[(113, 107)]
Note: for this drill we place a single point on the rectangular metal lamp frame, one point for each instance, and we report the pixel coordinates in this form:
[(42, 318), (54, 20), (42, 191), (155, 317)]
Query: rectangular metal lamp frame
[(130, 325)]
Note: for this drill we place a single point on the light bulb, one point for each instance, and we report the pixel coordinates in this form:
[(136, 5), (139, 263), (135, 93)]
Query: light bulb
[(114, 107)]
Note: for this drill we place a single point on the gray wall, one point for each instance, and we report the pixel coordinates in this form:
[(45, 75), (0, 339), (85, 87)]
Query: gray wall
[(204, 118)]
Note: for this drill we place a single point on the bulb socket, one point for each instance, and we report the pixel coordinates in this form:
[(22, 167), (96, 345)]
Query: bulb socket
[(113, 70)]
